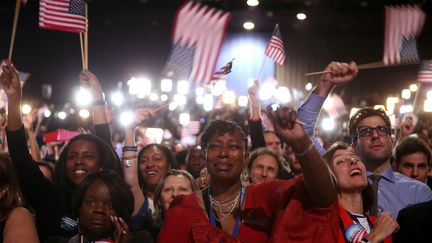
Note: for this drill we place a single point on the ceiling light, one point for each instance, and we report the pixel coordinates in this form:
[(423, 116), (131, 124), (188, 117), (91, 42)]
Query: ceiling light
[(248, 25), (301, 16), (252, 3)]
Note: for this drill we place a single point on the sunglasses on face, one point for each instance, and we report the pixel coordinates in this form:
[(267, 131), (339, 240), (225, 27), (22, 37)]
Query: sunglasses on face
[(366, 131)]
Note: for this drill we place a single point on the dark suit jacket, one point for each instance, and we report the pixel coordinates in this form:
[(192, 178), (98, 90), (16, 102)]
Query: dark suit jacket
[(415, 223)]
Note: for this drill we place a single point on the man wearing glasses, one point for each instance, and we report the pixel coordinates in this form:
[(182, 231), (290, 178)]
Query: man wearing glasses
[(370, 132)]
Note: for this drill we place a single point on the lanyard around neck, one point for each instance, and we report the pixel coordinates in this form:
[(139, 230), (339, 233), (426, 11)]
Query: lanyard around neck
[(212, 215)]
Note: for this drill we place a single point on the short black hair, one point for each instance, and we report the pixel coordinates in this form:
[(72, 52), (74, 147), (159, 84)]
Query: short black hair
[(362, 114), (222, 127), (411, 145), (121, 196), (108, 159)]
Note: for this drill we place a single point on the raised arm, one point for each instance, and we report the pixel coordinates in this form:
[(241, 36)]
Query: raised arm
[(310, 109), (31, 135), (255, 125), (100, 119), (316, 174), (129, 157)]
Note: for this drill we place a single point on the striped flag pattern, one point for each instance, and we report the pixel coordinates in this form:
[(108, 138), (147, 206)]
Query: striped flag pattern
[(220, 74), (63, 15), (403, 25), (425, 72), (200, 30), (275, 49)]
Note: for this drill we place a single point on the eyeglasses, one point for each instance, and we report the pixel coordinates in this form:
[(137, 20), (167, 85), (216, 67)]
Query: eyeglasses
[(366, 131)]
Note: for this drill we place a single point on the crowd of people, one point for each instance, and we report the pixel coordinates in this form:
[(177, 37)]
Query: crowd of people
[(234, 185)]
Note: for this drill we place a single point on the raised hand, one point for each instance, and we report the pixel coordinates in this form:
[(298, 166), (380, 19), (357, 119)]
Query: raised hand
[(141, 115), (288, 128), (90, 81), (29, 119), (340, 72), (121, 229), (255, 106), (9, 79)]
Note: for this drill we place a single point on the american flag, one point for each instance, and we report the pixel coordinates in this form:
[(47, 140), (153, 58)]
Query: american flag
[(425, 72), (403, 25), (63, 15), (334, 106), (220, 74), (275, 49), (198, 34)]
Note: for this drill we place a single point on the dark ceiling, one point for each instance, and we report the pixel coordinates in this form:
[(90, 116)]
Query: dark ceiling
[(132, 36)]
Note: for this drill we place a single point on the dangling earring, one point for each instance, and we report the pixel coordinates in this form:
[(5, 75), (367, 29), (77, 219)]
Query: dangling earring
[(244, 177)]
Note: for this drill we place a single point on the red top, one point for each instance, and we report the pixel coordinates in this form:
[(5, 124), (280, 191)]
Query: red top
[(276, 211)]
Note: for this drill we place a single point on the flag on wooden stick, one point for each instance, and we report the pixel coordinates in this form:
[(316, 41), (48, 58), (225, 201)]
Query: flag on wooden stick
[(63, 15), (275, 49)]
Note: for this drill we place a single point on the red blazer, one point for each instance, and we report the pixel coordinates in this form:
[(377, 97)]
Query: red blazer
[(277, 211)]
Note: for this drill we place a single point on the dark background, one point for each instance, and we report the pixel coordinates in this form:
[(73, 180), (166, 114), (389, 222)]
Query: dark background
[(132, 37)]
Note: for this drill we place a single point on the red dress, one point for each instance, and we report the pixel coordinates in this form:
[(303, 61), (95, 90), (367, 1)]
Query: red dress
[(276, 211)]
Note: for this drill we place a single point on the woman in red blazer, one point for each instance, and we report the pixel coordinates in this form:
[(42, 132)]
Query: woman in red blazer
[(300, 209)]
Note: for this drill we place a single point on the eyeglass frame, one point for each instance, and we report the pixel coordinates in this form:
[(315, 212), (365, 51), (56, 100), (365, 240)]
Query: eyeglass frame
[(373, 129)]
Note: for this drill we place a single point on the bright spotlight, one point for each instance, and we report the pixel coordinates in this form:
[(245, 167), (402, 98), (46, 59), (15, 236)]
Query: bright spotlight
[(199, 91), (219, 88), (429, 95), (228, 97), (283, 95), (166, 85), (47, 113), (266, 91), (83, 97), (406, 94), (172, 106), (183, 87), (301, 16), (328, 124), (391, 103), (62, 115), (184, 119), (180, 99), (248, 25), (164, 97), (252, 3), (117, 98), (144, 87), (154, 96), (242, 101), (84, 113), (26, 109), (427, 105), (413, 87), (208, 102), (126, 118), (406, 109), (308, 87)]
